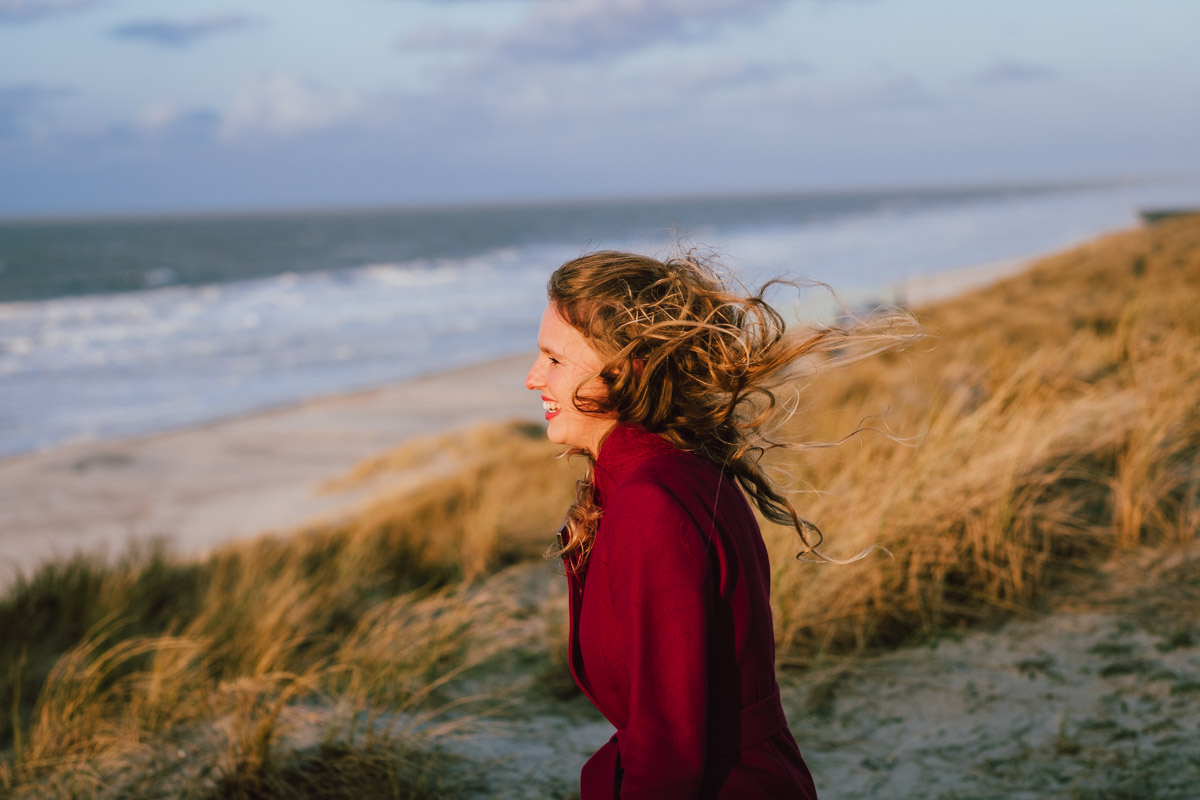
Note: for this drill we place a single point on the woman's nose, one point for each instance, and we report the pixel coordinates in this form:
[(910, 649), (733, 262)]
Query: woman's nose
[(534, 379)]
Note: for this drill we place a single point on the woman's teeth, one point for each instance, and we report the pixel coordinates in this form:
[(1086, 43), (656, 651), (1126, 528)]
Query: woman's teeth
[(549, 405)]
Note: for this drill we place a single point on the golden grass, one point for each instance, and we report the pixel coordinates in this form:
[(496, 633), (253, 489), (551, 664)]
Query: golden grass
[(372, 616), (1056, 420), (1058, 416)]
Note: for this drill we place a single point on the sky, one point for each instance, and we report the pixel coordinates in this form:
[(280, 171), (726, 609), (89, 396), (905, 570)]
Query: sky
[(130, 106)]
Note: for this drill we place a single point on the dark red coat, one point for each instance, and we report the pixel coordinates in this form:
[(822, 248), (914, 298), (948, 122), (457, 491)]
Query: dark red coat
[(671, 634)]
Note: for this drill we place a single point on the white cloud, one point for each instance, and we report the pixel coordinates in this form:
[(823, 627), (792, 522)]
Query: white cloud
[(270, 106), (555, 61), (731, 73), (588, 29), (157, 116), (281, 104), (167, 123), (582, 30)]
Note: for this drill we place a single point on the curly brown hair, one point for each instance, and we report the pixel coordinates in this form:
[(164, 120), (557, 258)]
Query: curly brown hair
[(689, 358)]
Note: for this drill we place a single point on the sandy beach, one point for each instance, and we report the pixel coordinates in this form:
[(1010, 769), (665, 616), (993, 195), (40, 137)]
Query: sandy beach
[(199, 487), (196, 488)]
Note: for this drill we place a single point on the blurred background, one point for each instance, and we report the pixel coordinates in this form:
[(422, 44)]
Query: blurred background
[(208, 208)]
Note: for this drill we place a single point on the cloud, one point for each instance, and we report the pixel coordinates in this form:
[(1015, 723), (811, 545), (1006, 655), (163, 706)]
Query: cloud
[(900, 92), (585, 30), (21, 104), (166, 123), (555, 60), (28, 10), (282, 104), (726, 74), (594, 28), (434, 38), (1004, 71), (271, 107), (897, 94), (176, 33)]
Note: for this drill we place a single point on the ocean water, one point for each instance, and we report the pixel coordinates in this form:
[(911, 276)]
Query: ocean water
[(120, 327)]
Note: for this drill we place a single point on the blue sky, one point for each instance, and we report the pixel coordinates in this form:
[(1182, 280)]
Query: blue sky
[(113, 106)]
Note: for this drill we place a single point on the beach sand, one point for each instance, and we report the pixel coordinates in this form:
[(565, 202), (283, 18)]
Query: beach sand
[(199, 487), (196, 488)]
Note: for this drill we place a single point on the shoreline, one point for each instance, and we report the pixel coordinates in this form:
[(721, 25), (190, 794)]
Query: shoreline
[(935, 287), (201, 486), (264, 411)]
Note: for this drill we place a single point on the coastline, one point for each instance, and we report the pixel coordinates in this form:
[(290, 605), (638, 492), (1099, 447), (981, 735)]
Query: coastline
[(233, 478), (238, 477), (935, 287)]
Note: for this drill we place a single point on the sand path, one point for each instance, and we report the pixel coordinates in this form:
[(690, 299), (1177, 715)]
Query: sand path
[(1099, 698), (1068, 706)]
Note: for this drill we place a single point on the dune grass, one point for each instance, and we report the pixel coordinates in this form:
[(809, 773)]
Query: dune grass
[(1056, 422), (1057, 417), (372, 616)]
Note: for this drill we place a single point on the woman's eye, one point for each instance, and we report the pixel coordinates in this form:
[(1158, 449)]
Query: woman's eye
[(553, 361)]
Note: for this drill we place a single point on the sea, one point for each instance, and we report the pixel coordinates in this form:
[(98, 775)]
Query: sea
[(120, 327)]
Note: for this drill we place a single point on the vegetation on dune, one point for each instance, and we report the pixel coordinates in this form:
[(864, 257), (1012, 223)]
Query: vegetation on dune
[(1056, 417), (369, 616)]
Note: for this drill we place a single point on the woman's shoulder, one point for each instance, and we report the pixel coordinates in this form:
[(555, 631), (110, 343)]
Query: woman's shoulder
[(654, 475), (651, 516), (633, 457), (675, 470)]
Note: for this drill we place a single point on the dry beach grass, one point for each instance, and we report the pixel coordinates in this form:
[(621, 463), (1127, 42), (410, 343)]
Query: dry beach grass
[(1059, 414), (1055, 479)]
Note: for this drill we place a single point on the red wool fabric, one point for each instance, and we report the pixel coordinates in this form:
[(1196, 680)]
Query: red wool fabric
[(671, 634)]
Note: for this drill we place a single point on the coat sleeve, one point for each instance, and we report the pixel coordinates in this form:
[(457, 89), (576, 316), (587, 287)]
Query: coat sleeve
[(660, 584)]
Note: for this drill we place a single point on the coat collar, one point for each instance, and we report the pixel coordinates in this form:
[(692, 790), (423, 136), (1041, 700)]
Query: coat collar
[(622, 450)]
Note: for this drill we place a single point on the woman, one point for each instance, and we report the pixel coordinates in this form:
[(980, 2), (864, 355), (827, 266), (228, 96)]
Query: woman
[(661, 377)]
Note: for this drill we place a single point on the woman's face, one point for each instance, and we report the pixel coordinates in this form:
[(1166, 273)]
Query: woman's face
[(565, 360)]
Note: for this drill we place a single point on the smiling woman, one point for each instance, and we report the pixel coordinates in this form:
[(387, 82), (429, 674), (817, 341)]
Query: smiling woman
[(660, 376)]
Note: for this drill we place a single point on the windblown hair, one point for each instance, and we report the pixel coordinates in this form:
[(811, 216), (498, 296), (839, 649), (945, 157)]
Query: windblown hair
[(689, 358)]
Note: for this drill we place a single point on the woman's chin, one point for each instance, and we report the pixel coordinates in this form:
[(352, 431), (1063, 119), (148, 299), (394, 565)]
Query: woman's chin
[(554, 433)]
